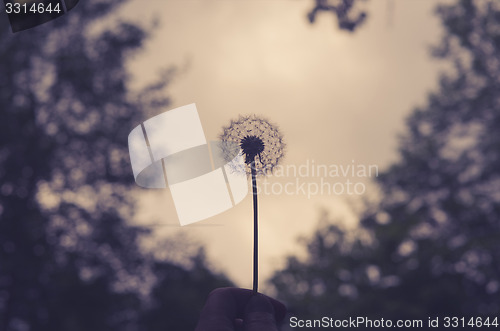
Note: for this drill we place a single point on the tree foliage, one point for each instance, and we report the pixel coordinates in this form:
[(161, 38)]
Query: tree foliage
[(348, 13), (432, 245), (68, 258)]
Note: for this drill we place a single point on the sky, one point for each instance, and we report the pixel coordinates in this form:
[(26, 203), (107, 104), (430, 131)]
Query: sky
[(340, 99)]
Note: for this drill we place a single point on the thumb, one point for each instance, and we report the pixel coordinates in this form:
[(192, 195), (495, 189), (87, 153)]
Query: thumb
[(259, 315)]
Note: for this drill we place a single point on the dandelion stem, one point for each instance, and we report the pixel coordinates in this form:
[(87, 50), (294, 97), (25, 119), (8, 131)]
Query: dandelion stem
[(255, 231)]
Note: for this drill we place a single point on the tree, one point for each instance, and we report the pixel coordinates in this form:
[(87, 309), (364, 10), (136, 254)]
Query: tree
[(68, 259), (432, 245), (349, 16), (179, 294)]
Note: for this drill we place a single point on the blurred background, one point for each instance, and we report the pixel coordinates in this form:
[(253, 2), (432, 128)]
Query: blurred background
[(409, 88)]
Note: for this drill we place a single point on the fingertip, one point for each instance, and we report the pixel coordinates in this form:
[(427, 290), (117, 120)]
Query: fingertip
[(259, 314), (279, 311), (259, 303), (262, 303)]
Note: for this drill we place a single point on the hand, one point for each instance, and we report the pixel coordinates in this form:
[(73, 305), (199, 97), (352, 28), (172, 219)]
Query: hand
[(235, 309)]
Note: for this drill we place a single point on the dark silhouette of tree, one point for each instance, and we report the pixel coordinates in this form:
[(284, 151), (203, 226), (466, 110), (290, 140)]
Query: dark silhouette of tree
[(432, 246), (68, 259), (182, 291), (349, 16)]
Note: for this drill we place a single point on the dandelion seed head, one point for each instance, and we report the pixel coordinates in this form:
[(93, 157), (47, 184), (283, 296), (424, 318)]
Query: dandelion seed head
[(257, 139)]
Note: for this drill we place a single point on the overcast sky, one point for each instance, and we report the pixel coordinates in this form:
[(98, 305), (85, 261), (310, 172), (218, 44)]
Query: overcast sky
[(340, 100)]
